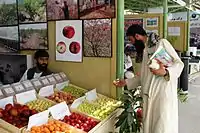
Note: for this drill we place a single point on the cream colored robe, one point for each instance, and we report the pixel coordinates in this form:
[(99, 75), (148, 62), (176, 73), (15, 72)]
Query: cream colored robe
[(160, 107)]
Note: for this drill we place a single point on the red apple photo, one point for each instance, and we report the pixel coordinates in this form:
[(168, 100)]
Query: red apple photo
[(68, 31), (75, 47), (61, 47)]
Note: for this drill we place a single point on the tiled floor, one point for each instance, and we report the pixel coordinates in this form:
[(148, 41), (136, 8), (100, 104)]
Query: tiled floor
[(189, 113)]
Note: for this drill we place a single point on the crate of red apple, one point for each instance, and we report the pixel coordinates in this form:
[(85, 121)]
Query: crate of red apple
[(15, 115), (80, 121)]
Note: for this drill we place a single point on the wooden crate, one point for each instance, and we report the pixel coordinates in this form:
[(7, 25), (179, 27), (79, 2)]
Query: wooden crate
[(11, 128)]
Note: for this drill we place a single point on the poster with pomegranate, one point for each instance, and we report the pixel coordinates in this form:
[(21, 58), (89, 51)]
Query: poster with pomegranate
[(94, 9), (62, 9), (98, 38), (69, 40)]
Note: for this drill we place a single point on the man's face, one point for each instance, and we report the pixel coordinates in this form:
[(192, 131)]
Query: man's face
[(42, 63), (137, 42)]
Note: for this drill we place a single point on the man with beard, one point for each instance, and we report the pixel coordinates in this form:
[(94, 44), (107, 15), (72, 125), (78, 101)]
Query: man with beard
[(159, 86), (41, 58)]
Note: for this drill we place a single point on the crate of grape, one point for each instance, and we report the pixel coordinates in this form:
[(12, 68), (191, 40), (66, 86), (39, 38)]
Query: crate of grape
[(100, 108), (81, 121), (14, 118), (54, 126), (60, 96), (74, 90)]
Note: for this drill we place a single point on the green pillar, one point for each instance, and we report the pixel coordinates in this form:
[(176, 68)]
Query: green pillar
[(165, 16), (188, 30), (120, 43)]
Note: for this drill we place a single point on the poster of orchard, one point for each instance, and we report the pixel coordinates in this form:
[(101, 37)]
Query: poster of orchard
[(98, 38), (69, 40)]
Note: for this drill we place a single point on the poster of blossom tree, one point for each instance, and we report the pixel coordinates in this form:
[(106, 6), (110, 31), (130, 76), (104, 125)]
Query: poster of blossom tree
[(98, 38), (94, 9)]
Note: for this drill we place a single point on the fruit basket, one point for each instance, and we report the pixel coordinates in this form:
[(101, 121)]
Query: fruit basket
[(74, 90), (81, 121), (40, 104), (60, 96), (54, 126), (100, 109), (14, 118)]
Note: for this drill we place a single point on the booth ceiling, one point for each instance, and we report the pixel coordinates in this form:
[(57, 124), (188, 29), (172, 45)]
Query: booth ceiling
[(141, 6)]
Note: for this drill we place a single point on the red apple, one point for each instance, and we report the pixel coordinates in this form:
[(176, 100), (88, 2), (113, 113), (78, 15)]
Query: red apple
[(8, 107), (68, 31), (34, 112), (13, 112), (75, 47)]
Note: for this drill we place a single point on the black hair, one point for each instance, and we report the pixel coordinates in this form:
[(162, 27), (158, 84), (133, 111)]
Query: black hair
[(41, 53), (135, 29)]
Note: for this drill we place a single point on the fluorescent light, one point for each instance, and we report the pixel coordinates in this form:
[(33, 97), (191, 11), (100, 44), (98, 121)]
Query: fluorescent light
[(180, 2)]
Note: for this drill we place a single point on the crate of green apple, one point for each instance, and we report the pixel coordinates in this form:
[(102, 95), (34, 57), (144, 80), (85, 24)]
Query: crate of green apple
[(80, 121), (40, 104), (100, 109), (74, 90), (16, 115)]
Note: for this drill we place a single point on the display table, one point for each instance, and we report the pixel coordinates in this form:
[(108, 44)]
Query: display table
[(105, 126)]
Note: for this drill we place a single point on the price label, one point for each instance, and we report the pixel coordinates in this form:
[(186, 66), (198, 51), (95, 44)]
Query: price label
[(19, 88), (5, 101), (27, 84), (45, 81), (59, 111), (63, 75), (9, 90), (37, 83), (91, 95), (57, 76), (52, 80), (60, 86), (77, 102), (25, 97), (1, 93), (38, 119), (46, 91)]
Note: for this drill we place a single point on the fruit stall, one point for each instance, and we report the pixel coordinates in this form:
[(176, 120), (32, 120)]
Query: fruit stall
[(51, 104)]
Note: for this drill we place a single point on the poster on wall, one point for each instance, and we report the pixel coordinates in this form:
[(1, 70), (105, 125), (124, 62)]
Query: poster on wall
[(152, 31), (195, 30), (128, 22), (8, 15), (9, 40), (152, 22), (94, 9), (69, 40), (33, 36), (12, 68), (62, 9), (31, 11), (98, 38)]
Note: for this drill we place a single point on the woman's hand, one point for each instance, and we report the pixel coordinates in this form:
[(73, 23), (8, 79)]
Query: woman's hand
[(119, 82)]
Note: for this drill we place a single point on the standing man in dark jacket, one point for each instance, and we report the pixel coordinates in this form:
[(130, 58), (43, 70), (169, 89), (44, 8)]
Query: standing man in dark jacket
[(41, 58)]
